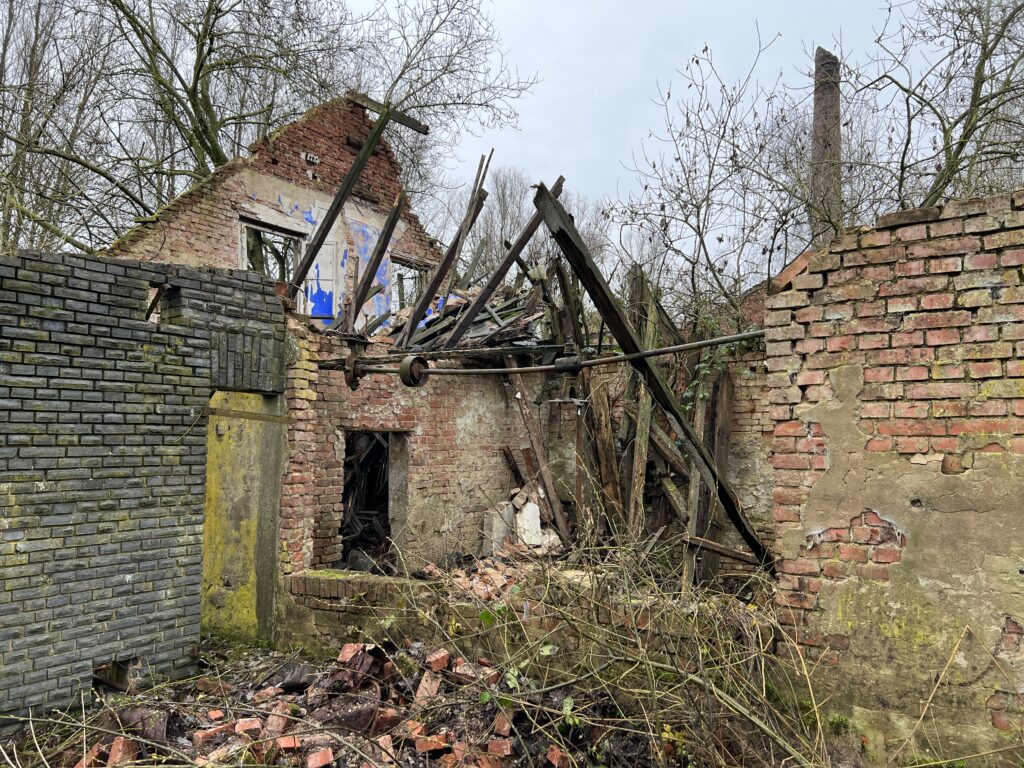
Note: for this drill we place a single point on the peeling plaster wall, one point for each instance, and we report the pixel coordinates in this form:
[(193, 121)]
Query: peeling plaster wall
[(895, 378), (287, 184), (455, 428)]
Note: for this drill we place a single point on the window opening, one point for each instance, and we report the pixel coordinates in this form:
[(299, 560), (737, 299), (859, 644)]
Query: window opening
[(406, 283), (274, 254), (154, 302)]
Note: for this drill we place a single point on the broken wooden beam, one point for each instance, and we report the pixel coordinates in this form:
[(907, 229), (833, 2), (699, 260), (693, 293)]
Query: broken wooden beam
[(576, 252), (674, 497), (547, 480), (664, 445), (447, 263), (607, 460), (397, 115), (488, 289), (362, 290)]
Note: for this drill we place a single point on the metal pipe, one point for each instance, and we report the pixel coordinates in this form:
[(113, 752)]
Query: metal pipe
[(594, 361)]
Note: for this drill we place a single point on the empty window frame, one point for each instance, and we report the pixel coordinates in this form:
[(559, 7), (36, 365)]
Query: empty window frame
[(406, 283), (271, 252)]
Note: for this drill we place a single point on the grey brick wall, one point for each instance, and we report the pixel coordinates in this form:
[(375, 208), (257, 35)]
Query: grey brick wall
[(102, 458)]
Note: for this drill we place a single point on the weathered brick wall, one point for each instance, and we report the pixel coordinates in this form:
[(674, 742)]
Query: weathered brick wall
[(897, 395), (454, 427), (102, 459), (201, 227), (749, 468)]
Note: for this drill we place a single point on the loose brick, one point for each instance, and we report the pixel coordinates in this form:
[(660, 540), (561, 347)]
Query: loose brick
[(500, 747), (123, 751), (321, 758), (438, 660)]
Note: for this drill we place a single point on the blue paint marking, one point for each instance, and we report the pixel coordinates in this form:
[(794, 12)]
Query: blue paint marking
[(308, 216), (365, 238), (431, 311), (382, 301), (320, 303)]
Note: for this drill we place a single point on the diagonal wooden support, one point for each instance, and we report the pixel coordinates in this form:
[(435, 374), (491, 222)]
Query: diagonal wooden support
[(447, 263), (576, 252), (386, 115), (398, 116), (513, 253), (362, 290), (547, 480)]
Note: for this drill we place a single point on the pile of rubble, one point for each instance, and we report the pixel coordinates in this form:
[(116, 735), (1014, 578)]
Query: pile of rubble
[(487, 579), (517, 523), (371, 708)]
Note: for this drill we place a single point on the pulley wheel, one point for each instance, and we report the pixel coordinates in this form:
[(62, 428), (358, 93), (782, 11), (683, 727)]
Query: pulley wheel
[(414, 371)]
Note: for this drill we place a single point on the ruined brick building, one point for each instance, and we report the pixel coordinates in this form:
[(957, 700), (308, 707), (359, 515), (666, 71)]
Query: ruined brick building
[(175, 444)]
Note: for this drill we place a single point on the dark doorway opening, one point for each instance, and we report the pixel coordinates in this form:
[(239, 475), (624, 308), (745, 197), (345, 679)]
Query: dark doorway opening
[(366, 526)]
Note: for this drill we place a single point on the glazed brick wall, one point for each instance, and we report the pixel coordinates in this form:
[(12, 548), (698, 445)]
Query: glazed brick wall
[(931, 303), (455, 428), (103, 459), (201, 226)]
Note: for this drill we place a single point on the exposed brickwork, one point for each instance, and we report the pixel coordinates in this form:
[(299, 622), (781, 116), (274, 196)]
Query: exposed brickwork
[(749, 469), (454, 429), (201, 226), (930, 305), (102, 459), (1007, 706), (863, 549)]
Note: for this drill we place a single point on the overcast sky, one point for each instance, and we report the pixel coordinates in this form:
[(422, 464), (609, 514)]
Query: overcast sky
[(601, 63)]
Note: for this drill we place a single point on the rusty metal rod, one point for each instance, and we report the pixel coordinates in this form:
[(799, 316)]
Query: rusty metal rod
[(589, 363)]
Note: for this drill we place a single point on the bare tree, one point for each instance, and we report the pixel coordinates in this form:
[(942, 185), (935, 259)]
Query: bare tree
[(135, 100), (726, 198), (716, 200), (948, 85), (508, 208)]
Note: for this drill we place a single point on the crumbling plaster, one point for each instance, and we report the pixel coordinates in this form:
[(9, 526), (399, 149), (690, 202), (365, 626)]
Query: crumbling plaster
[(961, 568), (288, 206)]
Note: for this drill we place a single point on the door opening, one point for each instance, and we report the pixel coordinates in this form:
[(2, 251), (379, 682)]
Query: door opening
[(366, 526)]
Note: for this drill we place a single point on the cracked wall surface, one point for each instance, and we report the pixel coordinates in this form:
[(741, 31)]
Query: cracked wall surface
[(896, 393), (454, 429)]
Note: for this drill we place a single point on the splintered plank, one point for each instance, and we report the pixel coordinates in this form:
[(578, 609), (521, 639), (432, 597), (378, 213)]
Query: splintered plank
[(604, 439), (547, 480), (447, 263), (576, 252), (488, 289)]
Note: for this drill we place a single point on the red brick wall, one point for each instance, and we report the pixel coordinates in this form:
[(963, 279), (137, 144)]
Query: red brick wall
[(749, 469), (323, 131), (455, 428), (931, 304), (201, 226)]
